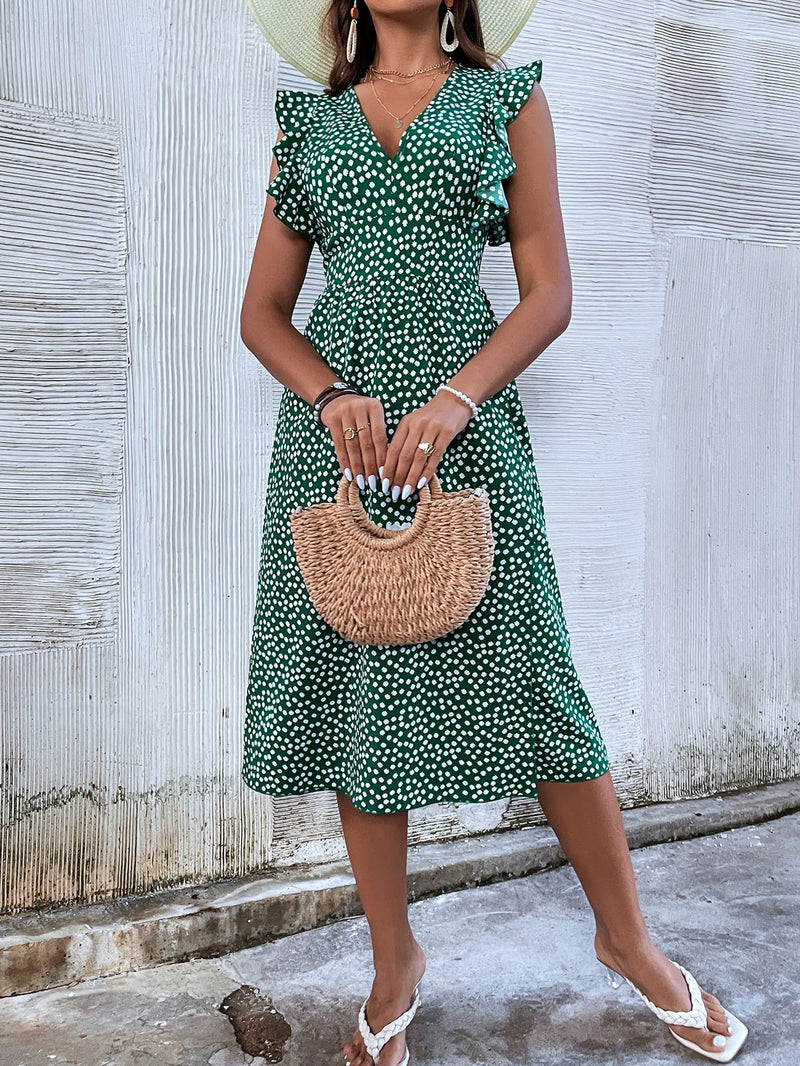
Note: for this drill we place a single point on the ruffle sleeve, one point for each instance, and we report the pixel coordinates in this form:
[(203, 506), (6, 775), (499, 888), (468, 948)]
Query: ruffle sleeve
[(508, 92), (294, 109)]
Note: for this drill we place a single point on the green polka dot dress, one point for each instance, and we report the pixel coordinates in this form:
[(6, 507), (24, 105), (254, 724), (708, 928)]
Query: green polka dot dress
[(484, 711)]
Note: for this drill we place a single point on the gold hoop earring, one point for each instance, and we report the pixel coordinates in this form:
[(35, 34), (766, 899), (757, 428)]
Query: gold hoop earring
[(352, 36), (448, 20)]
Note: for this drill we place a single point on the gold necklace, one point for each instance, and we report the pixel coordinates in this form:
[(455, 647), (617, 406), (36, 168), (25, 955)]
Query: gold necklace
[(398, 119), (411, 74)]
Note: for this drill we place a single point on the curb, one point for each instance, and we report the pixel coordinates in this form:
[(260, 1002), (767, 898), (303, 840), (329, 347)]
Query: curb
[(61, 947)]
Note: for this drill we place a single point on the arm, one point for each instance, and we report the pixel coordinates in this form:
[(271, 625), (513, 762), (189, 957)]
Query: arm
[(277, 273), (539, 253)]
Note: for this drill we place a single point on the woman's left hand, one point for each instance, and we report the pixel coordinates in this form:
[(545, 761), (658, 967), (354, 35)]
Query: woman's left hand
[(406, 467)]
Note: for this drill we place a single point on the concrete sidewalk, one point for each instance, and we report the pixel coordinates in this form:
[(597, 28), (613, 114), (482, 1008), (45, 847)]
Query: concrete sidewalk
[(64, 945), (511, 977)]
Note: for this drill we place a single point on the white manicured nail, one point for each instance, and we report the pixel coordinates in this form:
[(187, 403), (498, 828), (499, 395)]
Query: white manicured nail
[(395, 493), (386, 484), (380, 470), (348, 473), (361, 482), (373, 482), (407, 490), (719, 1040), (422, 481)]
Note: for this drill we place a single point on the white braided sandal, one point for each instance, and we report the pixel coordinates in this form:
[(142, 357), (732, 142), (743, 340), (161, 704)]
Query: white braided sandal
[(697, 1017), (375, 1041)]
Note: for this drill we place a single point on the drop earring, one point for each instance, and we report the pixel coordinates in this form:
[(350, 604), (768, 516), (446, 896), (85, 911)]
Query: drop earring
[(448, 20), (352, 36)]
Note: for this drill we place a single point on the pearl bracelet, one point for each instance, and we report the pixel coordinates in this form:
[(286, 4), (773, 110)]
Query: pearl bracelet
[(461, 396)]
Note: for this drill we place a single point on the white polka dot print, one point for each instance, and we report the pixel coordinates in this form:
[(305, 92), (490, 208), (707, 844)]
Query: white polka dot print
[(486, 710)]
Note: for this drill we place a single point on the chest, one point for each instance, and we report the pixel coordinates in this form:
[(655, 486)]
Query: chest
[(349, 173)]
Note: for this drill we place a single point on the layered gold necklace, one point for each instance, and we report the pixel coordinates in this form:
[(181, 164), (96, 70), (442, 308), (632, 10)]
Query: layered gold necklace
[(381, 75)]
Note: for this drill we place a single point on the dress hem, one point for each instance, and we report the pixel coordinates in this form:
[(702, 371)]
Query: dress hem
[(486, 797)]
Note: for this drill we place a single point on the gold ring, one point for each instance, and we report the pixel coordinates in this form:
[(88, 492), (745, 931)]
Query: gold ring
[(426, 447), (350, 432)]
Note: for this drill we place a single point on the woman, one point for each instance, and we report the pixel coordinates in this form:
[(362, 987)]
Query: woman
[(417, 154)]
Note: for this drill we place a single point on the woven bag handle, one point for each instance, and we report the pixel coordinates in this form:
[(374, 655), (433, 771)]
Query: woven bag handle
[(351, 512)]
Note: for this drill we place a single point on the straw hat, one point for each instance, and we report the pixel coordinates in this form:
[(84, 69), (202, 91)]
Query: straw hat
[(294, 29)]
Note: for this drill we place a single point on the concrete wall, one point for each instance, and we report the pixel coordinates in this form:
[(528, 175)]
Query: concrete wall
[(135, 428)]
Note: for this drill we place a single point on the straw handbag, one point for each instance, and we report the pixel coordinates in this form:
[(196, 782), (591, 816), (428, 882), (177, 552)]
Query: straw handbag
[(396, 586)]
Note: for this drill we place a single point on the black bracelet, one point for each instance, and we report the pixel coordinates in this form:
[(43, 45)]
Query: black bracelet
[(333, 387), (330, 388), (332, 396)]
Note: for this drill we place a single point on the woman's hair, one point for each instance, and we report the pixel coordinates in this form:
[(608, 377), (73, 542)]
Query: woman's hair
[(336, 25)]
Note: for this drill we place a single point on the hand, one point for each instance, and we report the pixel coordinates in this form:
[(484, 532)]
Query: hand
[(406, 467), (362, 456)]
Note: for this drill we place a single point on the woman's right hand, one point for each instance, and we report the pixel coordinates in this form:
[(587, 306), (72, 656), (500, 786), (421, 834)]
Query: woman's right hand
[(363, 456)]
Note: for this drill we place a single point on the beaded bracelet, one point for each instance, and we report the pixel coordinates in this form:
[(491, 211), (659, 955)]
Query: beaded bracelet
[(461, 396)]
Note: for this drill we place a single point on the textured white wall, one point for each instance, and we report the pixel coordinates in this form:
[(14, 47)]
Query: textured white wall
[(723, 506), (122, 743), (135, 428)]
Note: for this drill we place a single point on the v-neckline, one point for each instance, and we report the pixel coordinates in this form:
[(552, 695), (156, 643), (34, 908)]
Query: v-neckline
[(426, 108)]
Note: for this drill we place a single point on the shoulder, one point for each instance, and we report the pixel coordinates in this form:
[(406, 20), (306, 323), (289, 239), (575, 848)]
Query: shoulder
[(514, 85), (506, 79), (506, 89), (295, 108)]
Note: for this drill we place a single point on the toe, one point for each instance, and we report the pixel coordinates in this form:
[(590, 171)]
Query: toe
[(717, 1018), (355, 1053), (717, 1021), (710, 1000), (703, 1038), (363, 1058), (717, 1026)]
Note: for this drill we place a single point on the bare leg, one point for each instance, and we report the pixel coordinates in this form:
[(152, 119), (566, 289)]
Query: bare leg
[(377, 845), (585, 817)]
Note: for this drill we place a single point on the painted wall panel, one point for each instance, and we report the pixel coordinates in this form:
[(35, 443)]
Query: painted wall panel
[(726, 154), (130, 759), (723, 528), (63, 366)]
